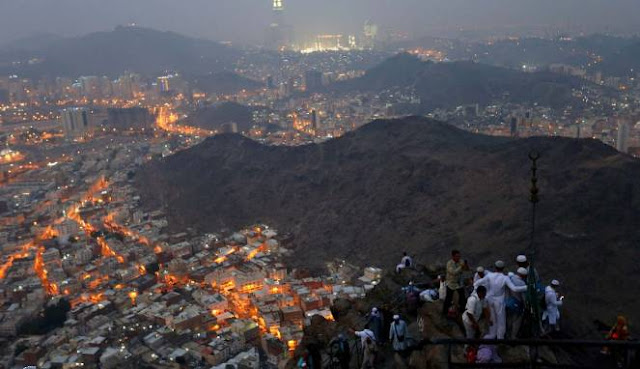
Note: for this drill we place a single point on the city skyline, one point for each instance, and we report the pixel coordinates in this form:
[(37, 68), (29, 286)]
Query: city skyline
[(219, 20)]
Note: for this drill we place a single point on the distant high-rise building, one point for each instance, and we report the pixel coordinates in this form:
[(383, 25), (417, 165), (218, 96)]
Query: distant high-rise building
[(315, 124), (513, 126), (313, 81), (278, 34), (578, 130), (370, 33), (172, 84), (622, 144), (163, 84), (75, 122), (287, 88), (130, 118), (91, 87), (352, 42)]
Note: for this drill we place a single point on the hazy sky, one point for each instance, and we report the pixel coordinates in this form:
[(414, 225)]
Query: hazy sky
[(244, 20)]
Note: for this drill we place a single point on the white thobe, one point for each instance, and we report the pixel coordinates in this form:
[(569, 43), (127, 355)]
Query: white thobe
[(496, 284), (552, 312)]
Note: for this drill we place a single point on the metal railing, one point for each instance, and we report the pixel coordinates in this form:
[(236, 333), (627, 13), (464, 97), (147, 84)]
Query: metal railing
[(623, 353)]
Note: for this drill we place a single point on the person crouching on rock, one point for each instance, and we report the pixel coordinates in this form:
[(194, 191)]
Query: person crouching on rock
[(405, 262), (476, 308)]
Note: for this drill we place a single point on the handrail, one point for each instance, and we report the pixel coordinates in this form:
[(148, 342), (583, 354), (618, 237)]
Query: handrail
[(629, 346), (533, 342)]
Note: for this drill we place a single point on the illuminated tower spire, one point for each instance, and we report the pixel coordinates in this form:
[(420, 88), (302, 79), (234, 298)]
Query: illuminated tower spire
[(279, 33)]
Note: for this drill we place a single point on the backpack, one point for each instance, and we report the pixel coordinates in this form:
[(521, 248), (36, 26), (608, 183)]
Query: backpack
[(407, 262), (513, 305)]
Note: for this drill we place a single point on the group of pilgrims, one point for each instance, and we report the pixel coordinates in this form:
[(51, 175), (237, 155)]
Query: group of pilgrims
[(486, 304), (499, 297), (495, 296)]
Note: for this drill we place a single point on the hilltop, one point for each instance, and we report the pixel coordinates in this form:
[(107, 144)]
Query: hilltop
[(425, 187), (224, 82), (212, 117), (133, 49), (447, 85)]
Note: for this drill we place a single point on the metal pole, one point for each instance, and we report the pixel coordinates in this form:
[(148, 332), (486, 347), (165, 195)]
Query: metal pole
[(533, 156), (534, 308)]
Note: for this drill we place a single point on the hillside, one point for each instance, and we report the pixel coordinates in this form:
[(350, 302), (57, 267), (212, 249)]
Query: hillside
[(224, 83), (425, 187), (446, 85), (619, 54), (111, 53), (625, 62), (212, 117)]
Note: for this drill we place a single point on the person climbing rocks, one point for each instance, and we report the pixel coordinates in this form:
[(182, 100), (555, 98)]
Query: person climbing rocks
[(369, 352), (376, 323), (399, 337), (369, 346), (341, 351)]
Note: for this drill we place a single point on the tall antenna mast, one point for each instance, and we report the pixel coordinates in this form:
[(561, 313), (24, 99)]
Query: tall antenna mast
[(532, 290)]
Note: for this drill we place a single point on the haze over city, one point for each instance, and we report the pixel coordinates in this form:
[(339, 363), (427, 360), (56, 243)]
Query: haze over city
[(280, 184), (243, 21)]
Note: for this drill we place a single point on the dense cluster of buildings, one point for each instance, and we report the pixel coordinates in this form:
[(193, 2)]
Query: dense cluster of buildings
[(139, 295)]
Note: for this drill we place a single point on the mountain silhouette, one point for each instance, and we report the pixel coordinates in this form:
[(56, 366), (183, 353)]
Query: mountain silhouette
[(132, 49)]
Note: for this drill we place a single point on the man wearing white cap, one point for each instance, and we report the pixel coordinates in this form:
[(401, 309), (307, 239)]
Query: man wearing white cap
[(523, 262), (398, 334), (376, 324), (515, 303), (497, 283), (553, 300), (479, 274)]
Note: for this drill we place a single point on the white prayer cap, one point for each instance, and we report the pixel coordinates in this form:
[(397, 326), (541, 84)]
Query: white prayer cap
[(480, 270), (374, 310), (522, 271), (396, 317), (499, 264), (521, 259), (555, 282)]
